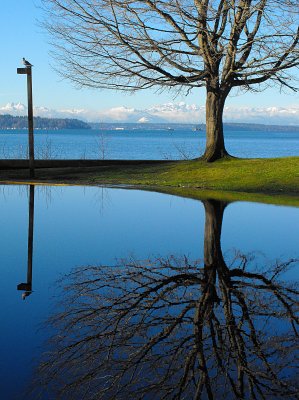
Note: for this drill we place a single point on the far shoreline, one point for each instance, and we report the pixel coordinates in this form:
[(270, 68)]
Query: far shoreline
[(11, 123)]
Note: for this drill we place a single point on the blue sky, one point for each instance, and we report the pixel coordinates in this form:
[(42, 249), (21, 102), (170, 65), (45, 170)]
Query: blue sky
[(22, 37)]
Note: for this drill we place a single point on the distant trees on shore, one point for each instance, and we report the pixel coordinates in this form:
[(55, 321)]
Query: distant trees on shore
[(21, 122)]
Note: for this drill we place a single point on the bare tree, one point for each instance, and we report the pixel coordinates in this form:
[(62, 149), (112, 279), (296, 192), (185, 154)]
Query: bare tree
[(175, 329), (177, 44), (101, 145)]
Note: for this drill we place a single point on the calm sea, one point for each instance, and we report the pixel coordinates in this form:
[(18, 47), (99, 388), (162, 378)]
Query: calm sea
[(144, 144)]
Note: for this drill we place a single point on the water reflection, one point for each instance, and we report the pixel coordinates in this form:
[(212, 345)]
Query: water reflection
[(27, 286), (101, 198), (176, 329)]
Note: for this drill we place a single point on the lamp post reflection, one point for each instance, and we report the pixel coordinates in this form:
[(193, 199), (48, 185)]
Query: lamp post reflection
[(27, 286)]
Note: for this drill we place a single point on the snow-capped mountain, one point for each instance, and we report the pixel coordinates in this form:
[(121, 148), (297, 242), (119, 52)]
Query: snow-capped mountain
[(13, 109), (179, 112)]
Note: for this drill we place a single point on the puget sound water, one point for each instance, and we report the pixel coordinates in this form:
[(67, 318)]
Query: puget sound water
[(144, 144), (110, 293)]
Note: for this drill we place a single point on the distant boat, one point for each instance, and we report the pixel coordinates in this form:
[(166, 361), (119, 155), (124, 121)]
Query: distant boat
[(119, 129), (196, 128), (169, 128)]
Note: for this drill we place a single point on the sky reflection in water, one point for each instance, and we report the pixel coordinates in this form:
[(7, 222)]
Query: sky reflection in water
[(77, 226)]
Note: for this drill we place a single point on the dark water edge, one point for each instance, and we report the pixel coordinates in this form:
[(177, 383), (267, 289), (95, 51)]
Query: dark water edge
[(131, 232)]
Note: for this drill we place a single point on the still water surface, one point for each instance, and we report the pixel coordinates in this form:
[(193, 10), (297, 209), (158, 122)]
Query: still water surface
[(146, 238), (147, 144)]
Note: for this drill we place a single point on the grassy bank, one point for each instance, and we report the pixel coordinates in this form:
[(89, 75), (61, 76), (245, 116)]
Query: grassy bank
[(279, 176), (255, 175)]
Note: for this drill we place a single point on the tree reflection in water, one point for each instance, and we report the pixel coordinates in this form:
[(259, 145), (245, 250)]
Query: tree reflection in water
[(172, 329)]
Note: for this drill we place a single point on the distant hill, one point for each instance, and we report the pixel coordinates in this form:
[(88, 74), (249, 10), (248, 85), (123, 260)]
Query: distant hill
[(260, 127), (10, 122)]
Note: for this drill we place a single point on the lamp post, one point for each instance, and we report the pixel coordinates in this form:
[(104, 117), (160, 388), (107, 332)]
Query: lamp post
[(28, 71)]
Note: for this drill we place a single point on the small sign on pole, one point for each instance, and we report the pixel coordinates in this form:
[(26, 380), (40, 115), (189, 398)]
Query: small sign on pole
[(28, 71), (22, 71)]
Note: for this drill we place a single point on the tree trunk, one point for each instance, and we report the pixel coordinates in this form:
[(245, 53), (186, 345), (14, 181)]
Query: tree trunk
[(215, 148)]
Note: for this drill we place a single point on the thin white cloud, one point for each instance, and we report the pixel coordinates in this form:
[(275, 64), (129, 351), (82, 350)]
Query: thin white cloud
[(169, 112)]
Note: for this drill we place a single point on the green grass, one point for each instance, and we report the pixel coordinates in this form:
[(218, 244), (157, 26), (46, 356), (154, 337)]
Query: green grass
[(245, 175), (265, 180), (270, 180)]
